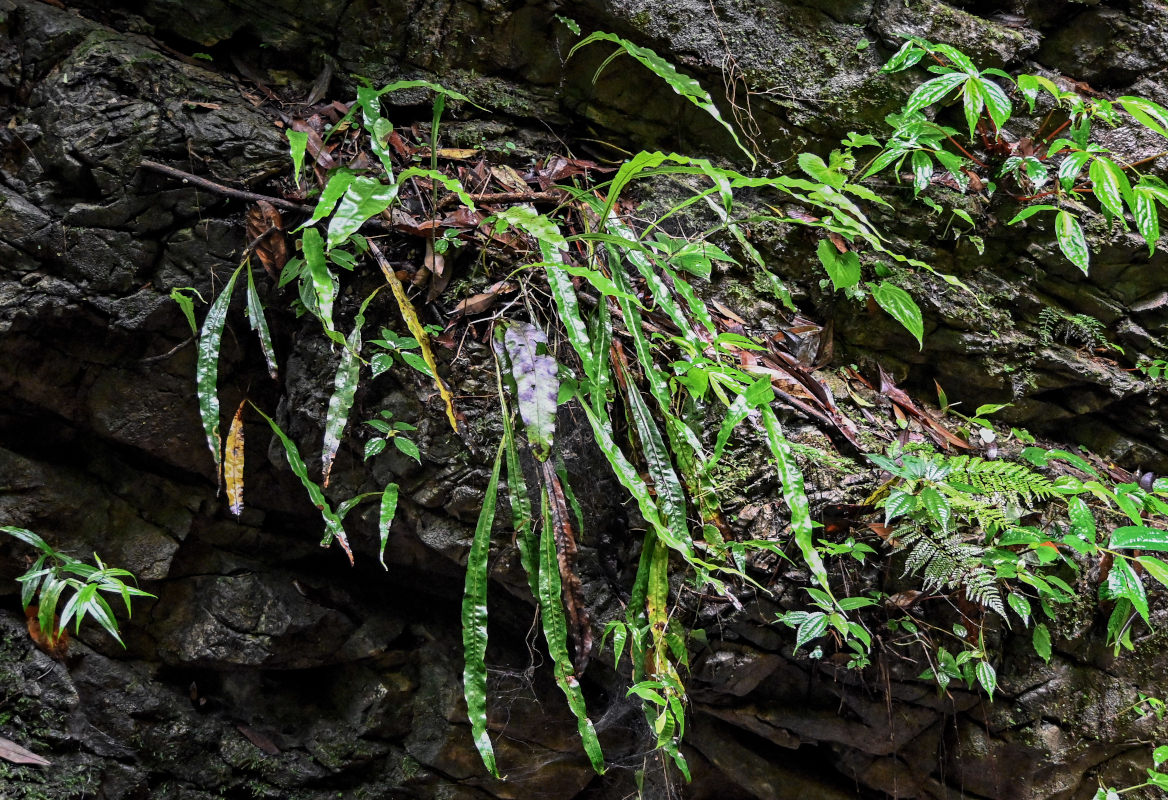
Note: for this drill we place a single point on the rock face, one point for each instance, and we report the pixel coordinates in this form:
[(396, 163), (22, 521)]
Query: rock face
[(270, 668)]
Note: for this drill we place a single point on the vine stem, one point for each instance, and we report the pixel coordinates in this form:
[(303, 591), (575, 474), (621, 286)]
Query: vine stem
[(218, 188)]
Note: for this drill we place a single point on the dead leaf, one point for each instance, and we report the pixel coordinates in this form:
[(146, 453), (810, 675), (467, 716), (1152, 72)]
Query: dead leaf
[(54, 645), (452, 153), (728, 313), (565, 537), (233, 463), (509, 179), (483, 301), (265, 227), (258, 739), (199, 104), (840, 243), (11, 751)]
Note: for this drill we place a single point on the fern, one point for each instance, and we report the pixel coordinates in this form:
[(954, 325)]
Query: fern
[(1081, 329), (944, 560), (1002, 481)]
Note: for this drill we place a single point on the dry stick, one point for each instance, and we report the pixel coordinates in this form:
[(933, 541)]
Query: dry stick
[(505, 197), (218, 188)]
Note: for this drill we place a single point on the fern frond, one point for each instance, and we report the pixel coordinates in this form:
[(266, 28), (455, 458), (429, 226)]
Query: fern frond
[(999, 479)]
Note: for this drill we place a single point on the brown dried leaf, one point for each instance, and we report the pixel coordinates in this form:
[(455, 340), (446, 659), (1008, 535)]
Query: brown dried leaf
[(11, 751), (258, 739), (509, 179), (52, 644), (565, 537), (264, 220), (233, 463)]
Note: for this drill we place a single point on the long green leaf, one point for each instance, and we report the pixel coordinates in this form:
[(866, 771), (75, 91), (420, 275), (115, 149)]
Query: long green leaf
[(670, 495), (207, 371), (332, 522), (1143, 207), (1139, 537), (683, 84), (255, 316), (794, 494), (1111, 185), (474, 622), (376, 126), (1122, 582), (323, 284), (933, 90), (555, 631), (1153, 115), (386, 513), (341, 401), (363, 199)]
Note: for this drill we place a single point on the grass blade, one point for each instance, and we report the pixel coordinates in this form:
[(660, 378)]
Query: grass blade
[(332, 522), (255, 316), (416, 329), (207, 371), (555, 631), (474, 622)]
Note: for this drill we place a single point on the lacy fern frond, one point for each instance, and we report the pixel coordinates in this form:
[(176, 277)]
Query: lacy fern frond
[(944, 560), (1001, 480)]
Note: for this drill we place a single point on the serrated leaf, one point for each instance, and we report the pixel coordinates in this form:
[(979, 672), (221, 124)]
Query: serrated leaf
[(937, 506), (1071, 240), (1139, 537), (297, 144), (814, 166), (408, 448), (973, 102), (902, 307), (233, 463), (813, 628), (537, 384), (207, 371), (908, 55), (842, 268), (1111, 185), (922, 169), (1020, 605), (474, 622), (1081, 519), (997, 103), (374, 447), (1143, 207), (1041, 642)]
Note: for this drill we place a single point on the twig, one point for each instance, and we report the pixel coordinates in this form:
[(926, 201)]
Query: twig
[(168, 353), (451, 199), (218, 188)]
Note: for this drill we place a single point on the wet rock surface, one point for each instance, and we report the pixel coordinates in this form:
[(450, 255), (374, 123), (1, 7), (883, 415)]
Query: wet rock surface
[(270, 668)]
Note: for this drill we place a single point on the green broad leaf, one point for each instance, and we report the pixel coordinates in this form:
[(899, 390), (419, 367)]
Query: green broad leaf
[(28, 537), (207, 371), (332, 522), (898, 303), (997, 103), (813, 628), (1021, 606), (338, 183), (987, 676), (908, 55), (297, 144), (364, 198), (683, 84), (341, 402), (1071, 240), (842, 268), (374, 447), (324, 288), (408, 448), (259, 324), (794, 494), (922, 169), (1081, 519), (933, 90), (537, 384), (1111, 185), (852, 603), (954, 165), (899, 504), (378, 128), (1072, 165), (474, 622), (1030, 211), (956, 57), (555, 631), (1123, 583), (1143, 207), (814, 167), (973, 102), (937, 506), (1139, 537), (1041, 642), (1151, 115), (1155, 567), (661, 293)]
